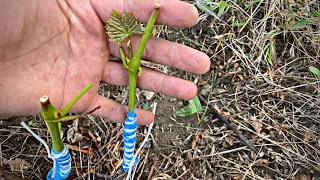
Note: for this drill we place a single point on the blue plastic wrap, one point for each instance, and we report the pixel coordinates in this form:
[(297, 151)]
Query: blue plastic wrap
[(129, 139), (61, 164)]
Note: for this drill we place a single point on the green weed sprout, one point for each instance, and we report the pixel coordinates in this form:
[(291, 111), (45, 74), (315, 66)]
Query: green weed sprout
[(193, 108), (315, 71)]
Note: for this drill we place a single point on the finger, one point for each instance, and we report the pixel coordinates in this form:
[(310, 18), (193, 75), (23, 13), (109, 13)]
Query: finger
[(173, 13), (170, 53), (116, 112), (151, 80)]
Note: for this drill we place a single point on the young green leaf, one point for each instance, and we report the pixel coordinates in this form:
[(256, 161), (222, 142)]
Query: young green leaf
[(193, 107), (146, 106), (270, 35), (202, 6), (299, 24), (270, 52), (291, 12), (315, 13), (222, 7), (133, 26), (251, 4), (238, 23), (30, 123), (119, 28), (315, 71)]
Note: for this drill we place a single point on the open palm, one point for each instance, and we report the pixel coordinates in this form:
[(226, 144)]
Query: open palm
[(57, 47)]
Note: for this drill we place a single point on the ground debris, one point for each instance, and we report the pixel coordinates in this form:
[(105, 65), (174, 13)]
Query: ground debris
[(5, 175), (17, 164), (257, 126)]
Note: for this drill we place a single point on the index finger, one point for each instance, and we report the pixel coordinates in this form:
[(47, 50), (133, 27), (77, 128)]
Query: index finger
[(173, 13)]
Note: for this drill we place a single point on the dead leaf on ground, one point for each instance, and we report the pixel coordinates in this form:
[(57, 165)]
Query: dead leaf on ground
[(223, 113), (217, 108), (257, 126), (230, 141), (306, 136), (202, 82), (5, 175), (148, 95), (241, 77), (196, 139), (280, 95), (238, 177), (256, 139), (282, 127), (301, 177), (261, 162), (17, 164), (73, 136)]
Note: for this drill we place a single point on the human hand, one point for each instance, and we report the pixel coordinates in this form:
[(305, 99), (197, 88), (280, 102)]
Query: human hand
[(57, 47)]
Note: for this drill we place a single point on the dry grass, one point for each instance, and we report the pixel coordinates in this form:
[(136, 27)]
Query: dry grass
[(260, 81)]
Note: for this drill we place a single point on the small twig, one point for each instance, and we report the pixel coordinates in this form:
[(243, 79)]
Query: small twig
[(152, 168), (94, 139), (74, 148), (240, 136)]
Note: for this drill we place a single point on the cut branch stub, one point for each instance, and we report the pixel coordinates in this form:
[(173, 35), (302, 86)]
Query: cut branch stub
[(44, 100), (49, 112), (157, 5)]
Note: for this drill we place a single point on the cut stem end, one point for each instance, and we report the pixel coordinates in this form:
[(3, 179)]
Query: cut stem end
[(44, 100), (157, 6)]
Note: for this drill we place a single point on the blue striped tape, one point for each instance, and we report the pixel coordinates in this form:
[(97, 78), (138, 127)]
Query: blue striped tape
[(129, 139), (61, 164)]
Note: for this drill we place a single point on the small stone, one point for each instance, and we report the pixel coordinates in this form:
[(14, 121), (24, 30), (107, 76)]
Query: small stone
[(173, 100), (148, 95), (189, 156), (180, 103), (98, 138), (206, 89), (261, 154)]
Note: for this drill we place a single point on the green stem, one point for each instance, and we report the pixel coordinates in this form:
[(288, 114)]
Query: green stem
[(65, 110), (54, 130), (136, 59), (132, 90), (134, 63), (123, 58), (49, 113)]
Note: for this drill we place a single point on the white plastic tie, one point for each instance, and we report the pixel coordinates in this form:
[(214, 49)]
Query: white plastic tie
[(141, 144), (43, 143)]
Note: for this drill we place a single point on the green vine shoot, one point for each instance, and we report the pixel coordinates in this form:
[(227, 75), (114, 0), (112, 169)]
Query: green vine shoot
[(120, 28), (53, 116)]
